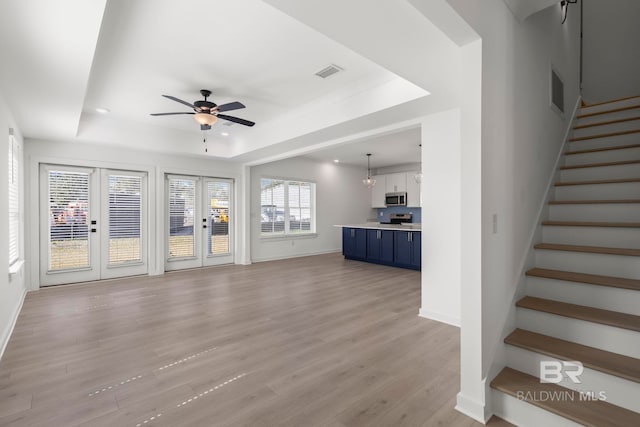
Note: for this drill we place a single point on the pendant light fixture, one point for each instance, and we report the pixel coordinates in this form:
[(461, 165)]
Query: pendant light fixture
[(418, 175), (369, 182)]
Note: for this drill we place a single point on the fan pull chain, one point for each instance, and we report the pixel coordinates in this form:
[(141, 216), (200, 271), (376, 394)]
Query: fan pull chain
[(204, 139)]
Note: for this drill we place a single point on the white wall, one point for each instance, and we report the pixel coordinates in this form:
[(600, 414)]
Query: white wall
[(611, 63), (12, 287), (441, 198), (521, 139), (340, 199), (155, 164)]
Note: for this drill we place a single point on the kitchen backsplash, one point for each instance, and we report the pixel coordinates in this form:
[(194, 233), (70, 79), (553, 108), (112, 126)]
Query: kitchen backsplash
[(383, 213)]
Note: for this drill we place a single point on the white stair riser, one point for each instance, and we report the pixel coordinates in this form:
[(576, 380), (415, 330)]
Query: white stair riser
[(609, 338), (604, 297), (608, 237), (610, 106), (601, 172), (599, 118), (616, 212), (615, 390), (609, 141), (624, 190), (613, 127), (581, 262), (603, 157), (523, 414)]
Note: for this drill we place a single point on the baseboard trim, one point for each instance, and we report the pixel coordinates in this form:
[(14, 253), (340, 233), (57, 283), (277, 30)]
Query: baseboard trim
[(439, 317), (6, 335), (472, 408), (300, 255)]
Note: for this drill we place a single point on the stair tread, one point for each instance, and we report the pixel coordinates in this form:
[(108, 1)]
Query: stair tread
[(588, 249), (581, 312), (583, 411), (608, 122), (613, 110), (610, 101), (604, 361), (599, 165), (599, 181), (593, 279), (593, 202), (605, 135), (592, 224), (595, 150)]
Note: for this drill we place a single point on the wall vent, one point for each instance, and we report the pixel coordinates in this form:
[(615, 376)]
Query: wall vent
[(329, 71), (557, 91)]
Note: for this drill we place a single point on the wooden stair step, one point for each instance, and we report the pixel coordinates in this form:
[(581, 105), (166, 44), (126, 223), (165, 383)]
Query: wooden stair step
[(592, 224), (609, 122), (600, 360), (581, 312), (593, 202), (595, 150), (592, 279), (598, 181), (599, 165), (592, 413), (605, 135), (613, 110), (610, 101), (588, 249)]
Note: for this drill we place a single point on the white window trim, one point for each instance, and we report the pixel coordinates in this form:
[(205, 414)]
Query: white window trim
[(287, 234)]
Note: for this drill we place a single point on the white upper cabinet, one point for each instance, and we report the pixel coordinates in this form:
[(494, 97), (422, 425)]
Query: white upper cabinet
[(414, 198), (378, 191), (396, 182)]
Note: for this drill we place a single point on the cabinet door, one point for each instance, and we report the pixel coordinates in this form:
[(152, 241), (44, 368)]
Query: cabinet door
[(413, 191), (373, 245), (416, 253), (386, 246), (402, 248), (360, 243), (348, 241), (378, 191), (396, 182)]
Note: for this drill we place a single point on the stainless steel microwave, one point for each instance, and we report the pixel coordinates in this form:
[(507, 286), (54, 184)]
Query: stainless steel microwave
[(395, 199)]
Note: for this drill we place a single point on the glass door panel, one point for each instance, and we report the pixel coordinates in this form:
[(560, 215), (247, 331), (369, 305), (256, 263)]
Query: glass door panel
[(217, 204), (183, 237)]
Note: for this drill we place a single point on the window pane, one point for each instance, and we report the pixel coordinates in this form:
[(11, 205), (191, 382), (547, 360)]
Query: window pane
[(272, 206), (14, 201), (125, 210), (181, 217), (68, 222), (218, 194)]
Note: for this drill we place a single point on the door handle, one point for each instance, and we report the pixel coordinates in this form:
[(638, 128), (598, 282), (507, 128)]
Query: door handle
[(379, 235), (409, 237), (93, 230)]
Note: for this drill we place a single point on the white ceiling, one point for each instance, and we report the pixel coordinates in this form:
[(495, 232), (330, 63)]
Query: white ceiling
[(64, 59)]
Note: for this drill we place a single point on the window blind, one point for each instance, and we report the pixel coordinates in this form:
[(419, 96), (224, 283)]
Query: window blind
[(286, 206), (68, 222), (219, 196), (125, 210), (182, 195), (14, 200)]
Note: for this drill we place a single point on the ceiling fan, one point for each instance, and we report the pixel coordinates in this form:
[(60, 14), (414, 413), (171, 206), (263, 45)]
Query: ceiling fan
[(206, 113)]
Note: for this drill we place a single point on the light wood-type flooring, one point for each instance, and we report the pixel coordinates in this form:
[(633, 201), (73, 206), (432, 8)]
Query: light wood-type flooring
[(316, 341)]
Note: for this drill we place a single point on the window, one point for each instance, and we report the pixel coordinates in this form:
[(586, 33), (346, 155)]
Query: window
[(14, 200), (287, 207)]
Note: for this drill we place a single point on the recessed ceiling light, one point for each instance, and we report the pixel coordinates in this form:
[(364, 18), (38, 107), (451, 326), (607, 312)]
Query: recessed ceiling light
[(224, 133), (336, 161), (103, 110)]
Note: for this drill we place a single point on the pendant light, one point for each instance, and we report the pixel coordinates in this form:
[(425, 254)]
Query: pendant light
[(418, 175), (368, 181)]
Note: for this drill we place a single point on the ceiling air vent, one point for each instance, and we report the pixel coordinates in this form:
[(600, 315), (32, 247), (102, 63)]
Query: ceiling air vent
[(329, 71)]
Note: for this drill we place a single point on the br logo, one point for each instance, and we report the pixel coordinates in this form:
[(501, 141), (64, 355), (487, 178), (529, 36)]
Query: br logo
[(552, 371)]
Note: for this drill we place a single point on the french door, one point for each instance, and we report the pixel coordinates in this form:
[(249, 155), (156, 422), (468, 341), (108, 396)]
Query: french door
[(93, 224), (199, 221)]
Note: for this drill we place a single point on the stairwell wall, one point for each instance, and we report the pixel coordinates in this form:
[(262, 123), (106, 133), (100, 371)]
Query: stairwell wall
[(521, 140)]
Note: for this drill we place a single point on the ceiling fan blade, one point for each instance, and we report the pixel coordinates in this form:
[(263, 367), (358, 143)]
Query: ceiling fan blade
[(173, 98), (230, 106), (169, 114), (236, 120)]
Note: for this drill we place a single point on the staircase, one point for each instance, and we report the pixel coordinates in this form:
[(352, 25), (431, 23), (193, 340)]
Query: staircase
[(583, 297)]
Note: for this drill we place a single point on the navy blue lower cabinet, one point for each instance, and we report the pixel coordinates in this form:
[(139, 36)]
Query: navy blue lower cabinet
[(354, 243), (408, 249), (380, 246)]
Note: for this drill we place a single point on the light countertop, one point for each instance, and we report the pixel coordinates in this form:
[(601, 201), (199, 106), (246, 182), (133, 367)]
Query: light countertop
[(378, 226)]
